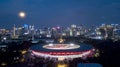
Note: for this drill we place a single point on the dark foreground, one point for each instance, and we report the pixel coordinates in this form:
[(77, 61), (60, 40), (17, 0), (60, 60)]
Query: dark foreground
[(109, 56)]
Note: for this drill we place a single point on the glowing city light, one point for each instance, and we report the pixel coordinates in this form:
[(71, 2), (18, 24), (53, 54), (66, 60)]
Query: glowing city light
[(71, 44), (4, 38), (61, 58), (58, 27), (23, 51), (50, 44), (3, 64), (62, 65)]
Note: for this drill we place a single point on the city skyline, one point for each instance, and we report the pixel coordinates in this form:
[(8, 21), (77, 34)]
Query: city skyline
[(59, 12), (59, 33)]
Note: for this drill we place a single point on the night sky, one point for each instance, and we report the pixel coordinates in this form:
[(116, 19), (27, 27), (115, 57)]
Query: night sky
[(44, 13)]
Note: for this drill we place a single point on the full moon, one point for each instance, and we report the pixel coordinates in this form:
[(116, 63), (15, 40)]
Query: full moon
[(22, 14)]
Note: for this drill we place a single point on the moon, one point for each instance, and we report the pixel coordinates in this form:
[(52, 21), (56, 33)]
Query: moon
[(22, 14)]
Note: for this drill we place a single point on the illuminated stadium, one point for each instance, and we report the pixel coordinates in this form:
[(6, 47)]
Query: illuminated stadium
[(62, 51)]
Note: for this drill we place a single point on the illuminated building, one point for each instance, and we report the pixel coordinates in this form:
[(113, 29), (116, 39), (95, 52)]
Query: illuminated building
[(106, 31), (61, 52), (14, 32)]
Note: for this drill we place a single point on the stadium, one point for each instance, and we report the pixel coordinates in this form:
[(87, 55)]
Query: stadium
[(62, 51)]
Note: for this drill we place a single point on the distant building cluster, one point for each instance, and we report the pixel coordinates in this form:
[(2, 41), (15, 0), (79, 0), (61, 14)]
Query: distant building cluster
[(57, 31), (105, 31), (108, 31)]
